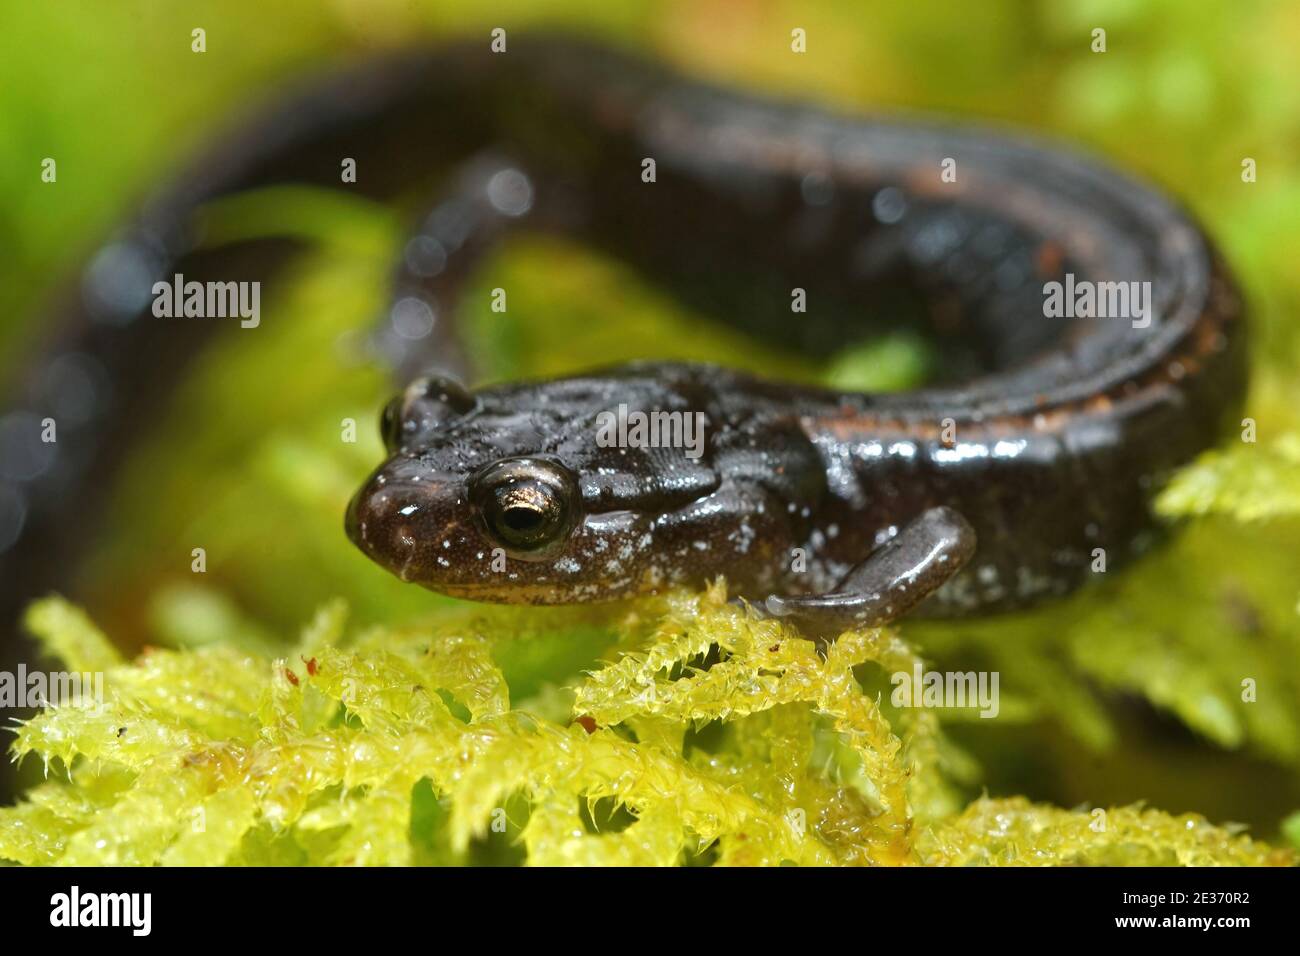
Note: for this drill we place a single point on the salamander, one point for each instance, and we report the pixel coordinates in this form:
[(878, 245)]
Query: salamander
[(1034, 450)]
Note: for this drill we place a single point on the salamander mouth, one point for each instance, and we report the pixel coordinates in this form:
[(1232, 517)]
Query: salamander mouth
[(511, 592)]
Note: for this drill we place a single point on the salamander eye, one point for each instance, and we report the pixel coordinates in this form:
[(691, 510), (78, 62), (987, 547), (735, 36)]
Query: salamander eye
[(390, 426), (436, 398), (527, 505), (425, 404)]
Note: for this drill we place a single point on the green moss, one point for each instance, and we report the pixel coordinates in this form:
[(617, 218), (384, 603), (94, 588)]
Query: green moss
[(1249, 482), (393, 746)]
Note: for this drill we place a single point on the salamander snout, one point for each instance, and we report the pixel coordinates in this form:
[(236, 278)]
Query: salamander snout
[(467, 532), (405, 519)]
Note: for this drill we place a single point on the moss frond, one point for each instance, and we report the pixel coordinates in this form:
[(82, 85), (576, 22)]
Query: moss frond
[(399, 746)]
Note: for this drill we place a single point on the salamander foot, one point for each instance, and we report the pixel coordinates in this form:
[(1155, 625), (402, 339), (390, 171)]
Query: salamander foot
[(895, 578)]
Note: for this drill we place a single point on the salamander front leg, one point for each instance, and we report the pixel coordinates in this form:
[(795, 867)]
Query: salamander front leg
[(894, 579), (489, 199)]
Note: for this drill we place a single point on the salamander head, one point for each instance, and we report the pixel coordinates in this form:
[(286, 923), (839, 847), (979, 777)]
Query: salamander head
[(515, 494)]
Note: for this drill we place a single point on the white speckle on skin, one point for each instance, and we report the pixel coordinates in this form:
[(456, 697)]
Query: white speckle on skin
[(742, 537), (962, 451), (1029, 584)]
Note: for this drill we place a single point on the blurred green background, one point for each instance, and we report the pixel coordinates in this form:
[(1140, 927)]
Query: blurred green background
[(1130, 695)]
